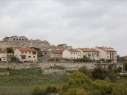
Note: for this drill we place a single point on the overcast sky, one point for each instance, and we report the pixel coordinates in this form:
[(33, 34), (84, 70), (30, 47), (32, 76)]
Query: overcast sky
[(81, 23)]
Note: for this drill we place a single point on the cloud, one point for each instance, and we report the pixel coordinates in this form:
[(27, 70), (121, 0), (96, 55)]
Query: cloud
[(8, 25), (81, 23)]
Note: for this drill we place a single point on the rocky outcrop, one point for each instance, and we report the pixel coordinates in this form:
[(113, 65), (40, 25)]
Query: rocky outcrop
[(29, 43)]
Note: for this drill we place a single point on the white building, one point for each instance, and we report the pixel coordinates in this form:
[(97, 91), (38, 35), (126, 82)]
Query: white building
[(64, 46), (90, 53), (107, 53), (26, 54), (3, 55), (15, 38), (72, 54)]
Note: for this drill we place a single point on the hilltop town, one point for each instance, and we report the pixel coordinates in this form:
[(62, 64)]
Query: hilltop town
[(25, 50)]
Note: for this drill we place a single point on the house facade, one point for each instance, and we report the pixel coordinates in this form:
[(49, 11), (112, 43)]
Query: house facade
[(107, 53), (26, 54), (72, 54), (90, 53)]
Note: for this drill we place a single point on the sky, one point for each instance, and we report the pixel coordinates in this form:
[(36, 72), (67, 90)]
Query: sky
[(80, 23)]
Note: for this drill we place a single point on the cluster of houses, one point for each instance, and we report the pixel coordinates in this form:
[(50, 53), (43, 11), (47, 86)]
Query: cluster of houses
[(94, 54), (60, 52), (31, 54)]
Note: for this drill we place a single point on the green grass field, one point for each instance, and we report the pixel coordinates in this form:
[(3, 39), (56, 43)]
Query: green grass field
[(21, 82)]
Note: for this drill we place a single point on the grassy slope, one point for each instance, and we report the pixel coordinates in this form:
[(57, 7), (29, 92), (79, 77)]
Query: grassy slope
[(21, 82)]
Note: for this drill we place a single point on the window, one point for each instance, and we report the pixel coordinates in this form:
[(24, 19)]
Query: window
[(34, 52), (23, 56), (4, 58), (29, 56)]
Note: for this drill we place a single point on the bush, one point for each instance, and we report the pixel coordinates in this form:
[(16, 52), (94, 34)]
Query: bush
[(51, 89), (75, 91), (81, 92), (103, 87), (79, 79), (86, 59), (70, 91), (119, 90), (95, 92), (38, 91), (99, 73), (41, 91), (85, 71)]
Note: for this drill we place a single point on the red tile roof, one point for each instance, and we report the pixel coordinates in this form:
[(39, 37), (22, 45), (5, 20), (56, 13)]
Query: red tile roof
[(74, 50), (88, 50), (107, 49), (26, 49)]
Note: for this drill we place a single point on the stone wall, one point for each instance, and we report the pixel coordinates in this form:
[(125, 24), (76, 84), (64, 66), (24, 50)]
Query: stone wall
[(30, 43)]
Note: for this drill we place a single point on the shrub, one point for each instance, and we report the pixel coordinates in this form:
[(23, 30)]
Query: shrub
[(75, 91), (103, 87), (81, 92), (85, 71), (51, 89), (119, 90), (79, 79), (70, 91), (99, 73), (38, 91), (95, 92)]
